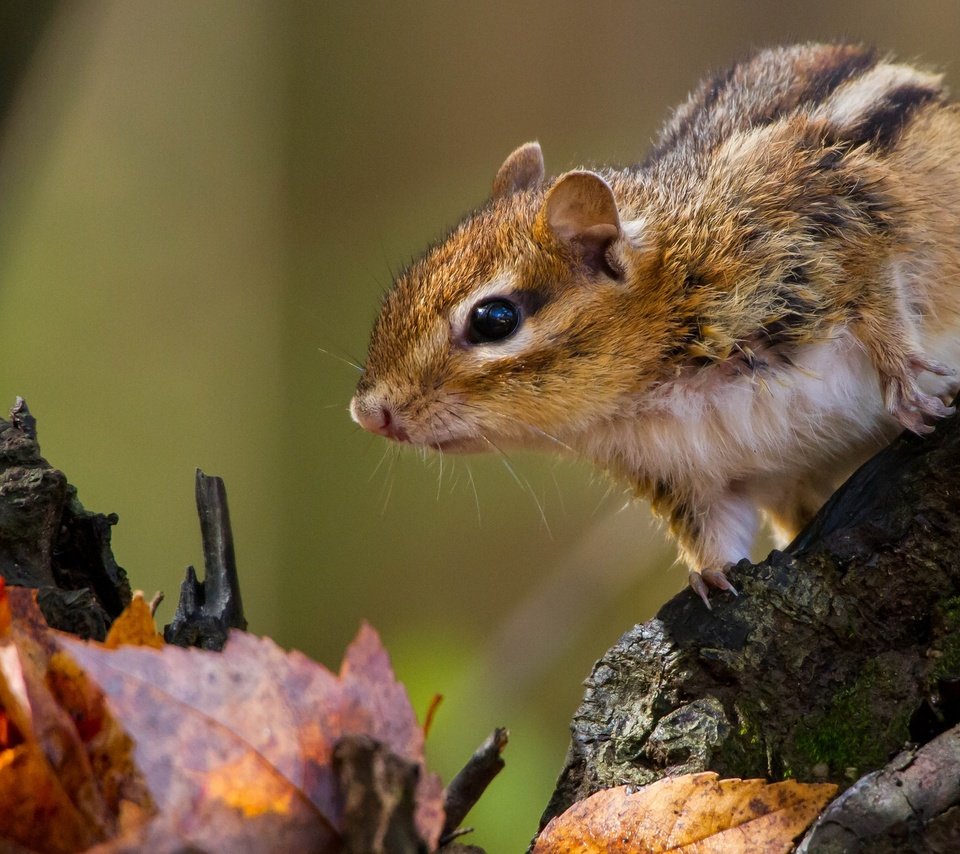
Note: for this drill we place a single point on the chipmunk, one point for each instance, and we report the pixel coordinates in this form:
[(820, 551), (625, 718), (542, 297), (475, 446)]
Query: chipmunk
[(728, 327)]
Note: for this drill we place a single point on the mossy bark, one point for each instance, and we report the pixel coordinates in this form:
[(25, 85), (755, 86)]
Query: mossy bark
[(830, 660)]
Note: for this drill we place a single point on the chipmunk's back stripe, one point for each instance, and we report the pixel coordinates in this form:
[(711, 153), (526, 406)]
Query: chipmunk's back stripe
[(842, 63), (882, 126), (759, 91), (877, 106), (793, 313), (689, 117)]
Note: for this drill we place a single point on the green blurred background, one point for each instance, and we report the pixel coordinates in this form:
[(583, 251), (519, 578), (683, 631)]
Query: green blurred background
[(200, 205)]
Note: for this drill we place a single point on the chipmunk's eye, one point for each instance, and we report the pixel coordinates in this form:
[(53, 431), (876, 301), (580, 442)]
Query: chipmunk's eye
[(493, 320)]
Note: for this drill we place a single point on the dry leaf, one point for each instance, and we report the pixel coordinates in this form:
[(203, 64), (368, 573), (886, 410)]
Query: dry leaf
[(65, 766), (5, 615), (694, 813), (236, 746), (134, 626), (37, 810)]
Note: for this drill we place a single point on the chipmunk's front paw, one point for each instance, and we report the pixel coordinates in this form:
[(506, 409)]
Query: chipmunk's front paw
[(909, 404), (919, 364), (702, 581)]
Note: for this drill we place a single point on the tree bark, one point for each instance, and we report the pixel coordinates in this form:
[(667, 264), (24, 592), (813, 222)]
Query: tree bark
[(838, 652)]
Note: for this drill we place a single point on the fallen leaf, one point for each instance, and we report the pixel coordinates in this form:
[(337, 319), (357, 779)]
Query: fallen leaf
[(694, 813), (134, 626), (5, 615), (240, 751), (236, 747), (109, 748), (60, 784), (37, 810)]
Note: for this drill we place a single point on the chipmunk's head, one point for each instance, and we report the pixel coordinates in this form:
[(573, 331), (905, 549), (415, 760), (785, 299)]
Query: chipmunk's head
[(510, 331)]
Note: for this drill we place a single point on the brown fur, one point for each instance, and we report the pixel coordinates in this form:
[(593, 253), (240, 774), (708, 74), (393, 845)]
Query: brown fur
[(806, 195)]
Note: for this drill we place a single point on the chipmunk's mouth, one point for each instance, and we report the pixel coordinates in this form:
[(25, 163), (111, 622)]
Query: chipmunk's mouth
[(377, 414)]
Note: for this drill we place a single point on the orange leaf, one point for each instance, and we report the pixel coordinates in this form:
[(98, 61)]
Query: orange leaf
[(108, 747), (59, 786), (431, 711), (236, 746), (5, 615), (134, 626), (694, 813), (37, 810)]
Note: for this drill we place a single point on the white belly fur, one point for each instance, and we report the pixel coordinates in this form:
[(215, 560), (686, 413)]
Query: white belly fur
[(735, 445)]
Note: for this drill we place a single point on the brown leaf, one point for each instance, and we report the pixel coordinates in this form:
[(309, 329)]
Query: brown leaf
[(134, 626), (37, 810), (236, 747), (21, 604), (5, 615), (693, 813), (108, 747), (62, 776)]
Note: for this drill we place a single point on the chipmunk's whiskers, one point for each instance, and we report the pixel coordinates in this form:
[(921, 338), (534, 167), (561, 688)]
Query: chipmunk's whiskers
[(521, 481), (355, 365)]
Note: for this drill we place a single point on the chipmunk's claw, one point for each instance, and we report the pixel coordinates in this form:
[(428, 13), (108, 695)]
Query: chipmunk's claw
[(701, 582), (911, 406), (718, 578), (699, 587), (921, 363)]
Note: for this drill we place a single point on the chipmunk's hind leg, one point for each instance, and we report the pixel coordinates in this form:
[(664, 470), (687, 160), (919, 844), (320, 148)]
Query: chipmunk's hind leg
[(792, 506), (713, 534)]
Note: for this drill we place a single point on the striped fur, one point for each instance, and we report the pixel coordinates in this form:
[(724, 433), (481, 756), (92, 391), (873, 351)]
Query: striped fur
[(728, 326)]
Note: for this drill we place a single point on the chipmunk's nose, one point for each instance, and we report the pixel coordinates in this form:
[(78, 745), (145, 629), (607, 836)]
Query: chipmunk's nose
[(376, 416)]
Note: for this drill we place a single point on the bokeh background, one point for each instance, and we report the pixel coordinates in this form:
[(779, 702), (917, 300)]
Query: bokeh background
[(201, 202)]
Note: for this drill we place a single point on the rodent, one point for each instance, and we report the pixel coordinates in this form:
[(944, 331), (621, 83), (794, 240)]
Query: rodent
[(728, 327)]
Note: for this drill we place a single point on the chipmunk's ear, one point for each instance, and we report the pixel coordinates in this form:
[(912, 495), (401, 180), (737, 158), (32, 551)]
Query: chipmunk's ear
[(522, 170), (581, 212)]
